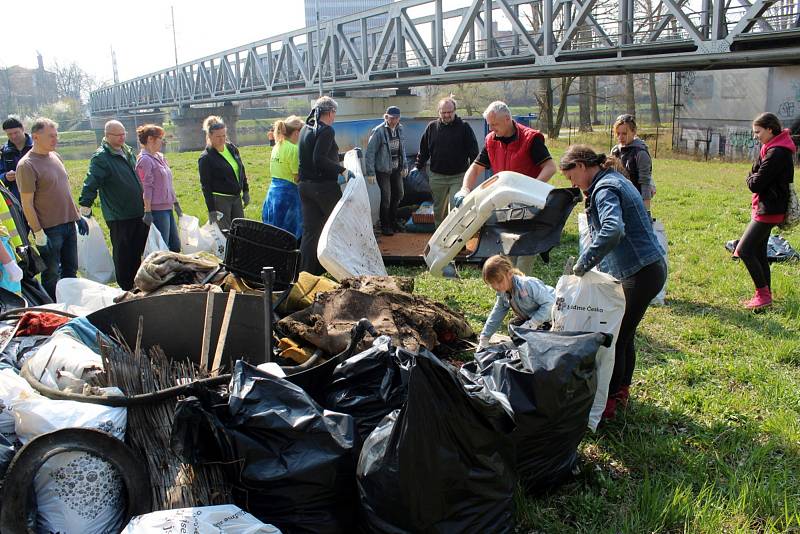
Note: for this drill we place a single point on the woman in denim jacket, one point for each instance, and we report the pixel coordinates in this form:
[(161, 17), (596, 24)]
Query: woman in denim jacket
[(530, 298), (623, 245)]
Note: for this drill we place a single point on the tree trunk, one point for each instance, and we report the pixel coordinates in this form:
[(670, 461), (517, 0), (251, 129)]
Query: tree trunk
[(593, 99), (566, 83), (584, 104), (630, 96), (546, 106), (655, 116)]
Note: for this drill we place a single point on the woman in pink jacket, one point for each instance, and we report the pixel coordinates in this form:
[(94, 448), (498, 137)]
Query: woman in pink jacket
[(156, 177)]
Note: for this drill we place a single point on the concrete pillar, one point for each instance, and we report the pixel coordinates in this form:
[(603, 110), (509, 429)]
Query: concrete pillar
[(131, 121), (188, 123)]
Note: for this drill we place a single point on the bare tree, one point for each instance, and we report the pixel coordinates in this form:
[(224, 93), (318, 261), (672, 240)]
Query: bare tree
[(584, 104), (72, 81), (655, 115), (550, 124), (630, 95)]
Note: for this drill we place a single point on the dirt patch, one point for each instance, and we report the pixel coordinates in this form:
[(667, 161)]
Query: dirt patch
[(412, 321)]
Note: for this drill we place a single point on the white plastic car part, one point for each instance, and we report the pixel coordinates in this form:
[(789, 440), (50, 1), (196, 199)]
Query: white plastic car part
[(347, 245), (495, 193)]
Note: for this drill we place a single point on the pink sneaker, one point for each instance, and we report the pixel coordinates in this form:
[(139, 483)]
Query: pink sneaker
[(622, 396), (611, 409), (762, 299)]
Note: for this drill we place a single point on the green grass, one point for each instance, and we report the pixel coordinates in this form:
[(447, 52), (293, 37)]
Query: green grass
[(711, 440)]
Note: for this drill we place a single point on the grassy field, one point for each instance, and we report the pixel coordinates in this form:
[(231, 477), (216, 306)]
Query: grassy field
[(711, 440)]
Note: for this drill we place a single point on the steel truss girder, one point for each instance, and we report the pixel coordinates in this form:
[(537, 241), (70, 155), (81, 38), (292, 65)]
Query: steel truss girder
[(420, 44)]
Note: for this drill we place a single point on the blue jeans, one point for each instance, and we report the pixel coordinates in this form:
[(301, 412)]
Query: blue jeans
[(165, 222), (60, 255)]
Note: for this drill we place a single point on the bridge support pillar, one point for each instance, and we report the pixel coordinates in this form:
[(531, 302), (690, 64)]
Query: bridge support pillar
[(188, 123), (131, 121), (353, 108)]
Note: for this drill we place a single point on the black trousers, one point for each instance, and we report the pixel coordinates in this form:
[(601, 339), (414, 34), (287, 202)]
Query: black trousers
[(752, 250), (317, 200), (128, 239), (391, 186), (639, 290)]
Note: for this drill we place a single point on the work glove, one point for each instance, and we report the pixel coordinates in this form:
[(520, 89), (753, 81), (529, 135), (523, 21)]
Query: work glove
[(578, 269), (86, 212), (459, 197), (483, 342), (178, 210), (371, 178), (12, 271), (214, 216), (83, 226), (345, 177), (41, 238), (148, 218), (246, 198)]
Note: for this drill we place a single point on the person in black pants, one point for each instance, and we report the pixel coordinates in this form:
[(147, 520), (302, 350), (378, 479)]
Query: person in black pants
[(769, 181), (624, 246), (385, 159), (320, 178)]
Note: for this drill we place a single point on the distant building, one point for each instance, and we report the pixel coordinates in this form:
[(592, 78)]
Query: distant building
[(718, 107), (23, 91), (331, 9)]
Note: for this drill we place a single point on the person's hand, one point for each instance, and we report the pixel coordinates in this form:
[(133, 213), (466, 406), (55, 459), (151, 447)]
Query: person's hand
[(83, 226), (483, 342), (246, 198), (459, 197), (148, 218), (178, 210), (413, 170), (11, 176), (648, 191), (371, 178), (41, 238), (13, 272), (214, 216), (345, 177), (578, 269), (86, 212)]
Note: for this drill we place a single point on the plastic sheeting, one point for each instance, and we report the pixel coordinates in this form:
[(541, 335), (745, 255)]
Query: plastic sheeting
[(347, 245), (291, 463), (547, 384), (221, 519), (443, 463), (94, 258), (89, 296)]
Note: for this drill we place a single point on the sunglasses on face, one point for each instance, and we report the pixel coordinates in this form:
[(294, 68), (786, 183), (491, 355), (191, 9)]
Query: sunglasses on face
[(215, 127)]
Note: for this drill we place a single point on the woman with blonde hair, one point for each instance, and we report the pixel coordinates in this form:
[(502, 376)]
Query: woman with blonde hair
[(623, 245), (635, 157), (530, 298), (222, 175), (282, 204)]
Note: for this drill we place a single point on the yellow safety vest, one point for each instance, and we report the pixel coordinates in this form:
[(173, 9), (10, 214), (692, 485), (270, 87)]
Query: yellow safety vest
[(7, 220)]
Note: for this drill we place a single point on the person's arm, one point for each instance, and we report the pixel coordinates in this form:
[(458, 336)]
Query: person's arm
[(204, 168), (144, 169), (764, 174), (93, 181), (544, 296), (242, 171), (322, 162), (30, 212), (646, 183), (612, 229), (471, 143), (540, 155), (548, 171), (471, 176), (424, 154), (372, 150), (294, 162), (3, 169), (496, 316)]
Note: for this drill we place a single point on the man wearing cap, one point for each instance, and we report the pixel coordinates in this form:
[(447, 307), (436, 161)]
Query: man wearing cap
[(19, 143), (386, 160), (450, 145)]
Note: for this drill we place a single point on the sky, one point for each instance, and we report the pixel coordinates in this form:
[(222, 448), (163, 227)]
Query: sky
[(140, 33)]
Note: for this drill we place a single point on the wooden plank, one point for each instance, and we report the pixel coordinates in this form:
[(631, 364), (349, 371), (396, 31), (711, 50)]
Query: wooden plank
[(223, 333), (209, 319)]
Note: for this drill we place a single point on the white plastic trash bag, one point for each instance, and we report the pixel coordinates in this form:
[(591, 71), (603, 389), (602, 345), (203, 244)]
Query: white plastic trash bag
[(347, 245), (593, 302), (76, 492), (12, 387), (63, 361), (89, 296), (353, 163), (216, 239), (94, 258), (661, 235), (194, 238), (155, 242), (221, 519)]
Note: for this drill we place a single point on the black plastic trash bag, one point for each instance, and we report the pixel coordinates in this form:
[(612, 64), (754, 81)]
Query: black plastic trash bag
[(293, 463), (442, 463), (547, 383), (370, 385), (7, 453)]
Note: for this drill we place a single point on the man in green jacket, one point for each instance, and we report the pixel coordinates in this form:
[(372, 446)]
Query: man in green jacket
[(112, 174)]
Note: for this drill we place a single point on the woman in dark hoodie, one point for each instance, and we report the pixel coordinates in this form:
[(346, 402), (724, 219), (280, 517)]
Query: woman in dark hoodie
[(769, 182), (635, 157)]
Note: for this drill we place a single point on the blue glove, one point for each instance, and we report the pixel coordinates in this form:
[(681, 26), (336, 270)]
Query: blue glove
[(83, 226), (345, 177), (459, 197), (246, 198)]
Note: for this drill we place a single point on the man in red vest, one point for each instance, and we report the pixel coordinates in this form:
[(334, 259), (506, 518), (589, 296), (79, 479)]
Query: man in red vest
[(509, 147)]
